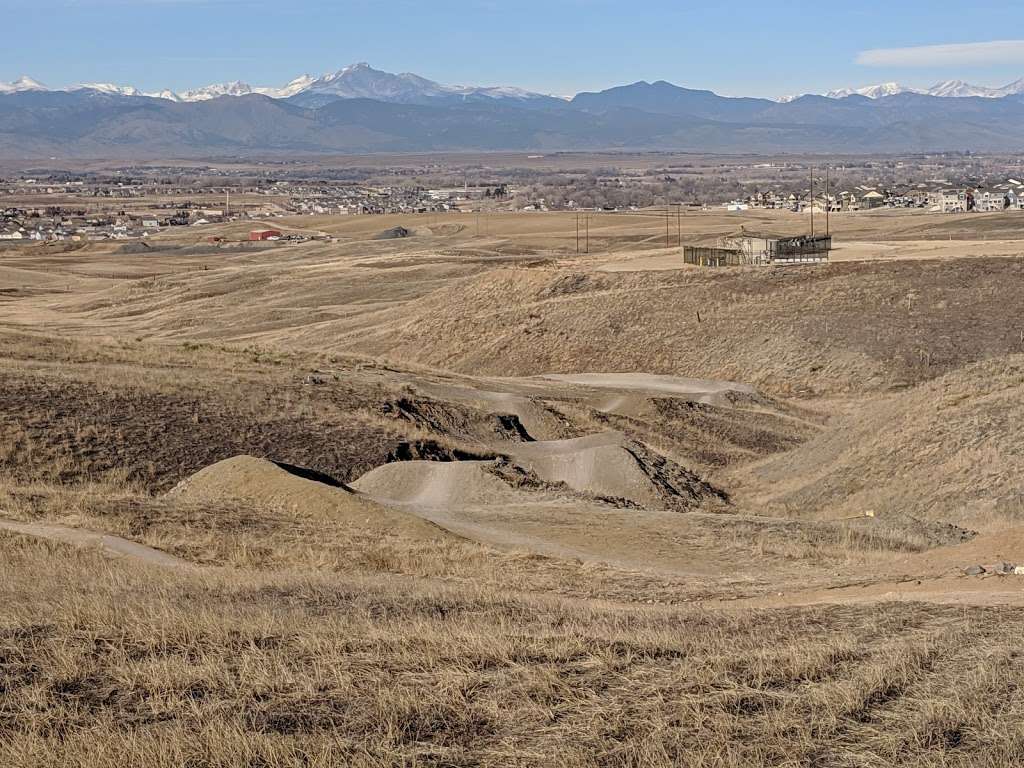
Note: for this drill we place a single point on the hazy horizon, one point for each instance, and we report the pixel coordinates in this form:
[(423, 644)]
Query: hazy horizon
[(182, 44)]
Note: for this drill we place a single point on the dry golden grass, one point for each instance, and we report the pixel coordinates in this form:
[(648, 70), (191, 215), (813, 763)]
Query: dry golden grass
[(942, 451), (112, 665)]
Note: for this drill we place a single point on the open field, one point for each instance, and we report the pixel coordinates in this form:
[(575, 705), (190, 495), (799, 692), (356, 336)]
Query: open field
[(470, 497)]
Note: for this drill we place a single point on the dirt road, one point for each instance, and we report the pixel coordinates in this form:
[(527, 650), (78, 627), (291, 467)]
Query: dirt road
[(112, 546)]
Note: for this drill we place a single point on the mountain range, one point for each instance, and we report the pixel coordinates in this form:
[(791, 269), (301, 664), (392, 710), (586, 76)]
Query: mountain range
[(363, 110), (358, 81), (956, 89), (361, 81)]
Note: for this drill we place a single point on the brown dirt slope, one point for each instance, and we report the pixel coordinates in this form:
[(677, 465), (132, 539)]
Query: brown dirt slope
[(608, 465)]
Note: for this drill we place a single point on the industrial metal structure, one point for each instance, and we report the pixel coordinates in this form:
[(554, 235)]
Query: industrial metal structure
[(760, 250)]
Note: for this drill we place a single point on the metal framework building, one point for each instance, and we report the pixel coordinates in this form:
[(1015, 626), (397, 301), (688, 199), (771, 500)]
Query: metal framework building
[(760, 250)]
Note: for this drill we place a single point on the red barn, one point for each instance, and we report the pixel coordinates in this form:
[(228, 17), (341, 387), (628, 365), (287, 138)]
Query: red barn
[(264, 234)]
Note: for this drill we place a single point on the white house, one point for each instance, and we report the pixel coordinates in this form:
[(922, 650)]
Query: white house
[(949, 201), (989, 201)]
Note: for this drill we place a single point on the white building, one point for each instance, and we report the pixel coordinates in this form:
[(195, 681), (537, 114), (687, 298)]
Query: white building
[(989, 201), (948, 201)]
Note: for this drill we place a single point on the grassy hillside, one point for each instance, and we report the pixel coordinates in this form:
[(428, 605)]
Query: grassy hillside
[(841, 328), (946, 450)]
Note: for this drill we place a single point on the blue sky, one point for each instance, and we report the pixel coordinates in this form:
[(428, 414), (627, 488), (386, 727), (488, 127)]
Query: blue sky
[(558, 46)]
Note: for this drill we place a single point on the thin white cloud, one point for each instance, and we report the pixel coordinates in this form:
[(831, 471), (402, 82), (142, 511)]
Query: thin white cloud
[(992, 52)]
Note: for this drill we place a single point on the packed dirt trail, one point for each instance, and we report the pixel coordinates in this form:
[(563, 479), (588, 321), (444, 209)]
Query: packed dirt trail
[(948, 589), (934, 576), (110, 545)]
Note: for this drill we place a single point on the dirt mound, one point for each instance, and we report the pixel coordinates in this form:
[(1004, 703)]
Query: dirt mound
[(609, 466), (273, 487), (395, 233), (949, 450), (604, 467), (707, 438), (437, 484), (505, 415), (456, 421)]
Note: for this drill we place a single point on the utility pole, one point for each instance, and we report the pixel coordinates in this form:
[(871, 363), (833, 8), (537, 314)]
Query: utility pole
[(586, 222), (577, 233), (679, 224), (828, 204), (812, 202), (666, 226)]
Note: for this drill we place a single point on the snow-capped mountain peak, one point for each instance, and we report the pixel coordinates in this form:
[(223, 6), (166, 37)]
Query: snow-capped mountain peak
[(23, 83), (961, 89), (167, 94), (234, 88), (872, 91), (298, 85), (1015, 88), (950, 89), (110, 88), (356, 81), (361, 81)]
